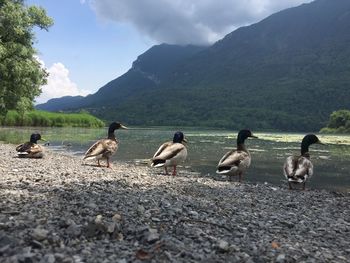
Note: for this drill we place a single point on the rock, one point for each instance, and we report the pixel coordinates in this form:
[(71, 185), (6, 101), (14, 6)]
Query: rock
[(194, 214), (73, 230), (152, 235), (281, 258), (141, 209), (111, 227), (40, 234), (98, 220), (117, 218), (223, 246), (48, 258)]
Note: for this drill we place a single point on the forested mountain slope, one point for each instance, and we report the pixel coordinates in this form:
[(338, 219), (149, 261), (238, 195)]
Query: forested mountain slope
[(287, 72)]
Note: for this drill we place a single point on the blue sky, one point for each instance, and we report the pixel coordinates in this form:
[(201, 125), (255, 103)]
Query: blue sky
[(94, 52), (94, 41)]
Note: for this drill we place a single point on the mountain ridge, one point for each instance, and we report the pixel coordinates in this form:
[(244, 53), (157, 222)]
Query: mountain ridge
[(273, 74)]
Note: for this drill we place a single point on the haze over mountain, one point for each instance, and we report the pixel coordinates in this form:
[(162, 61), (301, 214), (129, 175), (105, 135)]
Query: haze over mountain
[(287, 72)]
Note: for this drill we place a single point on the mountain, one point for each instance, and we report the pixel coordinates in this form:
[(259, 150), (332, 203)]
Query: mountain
[(59, 104), (147, 72), (287, 72)]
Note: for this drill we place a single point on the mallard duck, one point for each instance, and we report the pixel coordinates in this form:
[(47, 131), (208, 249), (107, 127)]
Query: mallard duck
[(297, 169), (235, 162), (105, 148), (31, 149), (171, 153)]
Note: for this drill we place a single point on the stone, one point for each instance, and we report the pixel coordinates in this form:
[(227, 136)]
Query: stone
[(281, 258), (223, 246), (40, 234), (152, 235)]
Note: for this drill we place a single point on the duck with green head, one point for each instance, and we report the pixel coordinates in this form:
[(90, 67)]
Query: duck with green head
[(298, 169), (236, 161), (171, 153), (103, 149), (31, 149)]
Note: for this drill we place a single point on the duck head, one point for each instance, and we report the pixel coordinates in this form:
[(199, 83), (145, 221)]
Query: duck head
[(35, 137), (114, 126), (243, 135), (307, 141), (179, 137)]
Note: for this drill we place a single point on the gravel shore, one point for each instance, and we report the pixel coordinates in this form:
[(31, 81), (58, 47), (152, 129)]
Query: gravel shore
[(58, 210)]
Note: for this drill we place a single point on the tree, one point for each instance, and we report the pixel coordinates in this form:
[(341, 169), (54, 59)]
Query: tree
[(339, 122), (21, 75), (339, 119)]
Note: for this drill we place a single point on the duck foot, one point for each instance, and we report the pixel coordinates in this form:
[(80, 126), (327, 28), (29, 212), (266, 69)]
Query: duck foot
[(109, 165)]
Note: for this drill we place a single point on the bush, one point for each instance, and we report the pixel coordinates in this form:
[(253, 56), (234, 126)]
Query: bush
[(52, 119), (339, 122)]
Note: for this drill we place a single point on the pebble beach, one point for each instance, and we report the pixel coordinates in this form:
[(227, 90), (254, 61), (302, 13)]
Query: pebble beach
[(59, 209)]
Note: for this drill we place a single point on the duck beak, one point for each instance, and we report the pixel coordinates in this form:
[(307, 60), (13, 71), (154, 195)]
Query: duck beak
[(253, 136), (185, 140), (42, 139), (319, 142), (123, 127)]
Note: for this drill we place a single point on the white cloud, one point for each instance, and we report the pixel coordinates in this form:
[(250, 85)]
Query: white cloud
[(58, 84), (188, 21)]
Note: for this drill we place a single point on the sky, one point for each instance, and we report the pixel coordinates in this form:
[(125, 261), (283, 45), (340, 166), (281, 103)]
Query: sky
[(95, 41)]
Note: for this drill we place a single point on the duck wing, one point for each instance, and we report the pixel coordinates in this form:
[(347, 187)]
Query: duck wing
[(24, 147), (297, 168), (234, 158), (101, 147), (29, 150), (168, 151), (162, 148)]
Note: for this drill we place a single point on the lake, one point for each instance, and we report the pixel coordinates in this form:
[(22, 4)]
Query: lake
[(206, 147)]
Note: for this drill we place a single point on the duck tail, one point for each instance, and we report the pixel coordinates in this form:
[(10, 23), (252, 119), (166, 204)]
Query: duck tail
[(158, 163), (223, 169)]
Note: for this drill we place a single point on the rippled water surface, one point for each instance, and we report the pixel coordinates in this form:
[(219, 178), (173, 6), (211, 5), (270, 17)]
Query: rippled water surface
[(206, 147)]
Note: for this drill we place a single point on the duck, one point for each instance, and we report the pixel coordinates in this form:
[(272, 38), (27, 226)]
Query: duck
[(171, 153), (298, 168), (236, 161), (31, 149), (105, 148)]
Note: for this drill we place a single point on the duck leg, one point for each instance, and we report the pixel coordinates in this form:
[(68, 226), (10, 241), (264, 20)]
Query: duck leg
[(98, 163), (166, 170), (240, 177), (304, 185), (108, 164), (290, 186), (174, 172)]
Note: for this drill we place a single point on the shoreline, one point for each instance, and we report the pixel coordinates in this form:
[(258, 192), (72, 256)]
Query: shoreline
[(57, 210)]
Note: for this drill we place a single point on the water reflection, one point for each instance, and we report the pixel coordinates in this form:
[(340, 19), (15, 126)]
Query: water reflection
[(206, 147)]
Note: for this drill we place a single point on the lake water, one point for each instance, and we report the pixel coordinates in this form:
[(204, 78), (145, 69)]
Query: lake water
[(206, 147)]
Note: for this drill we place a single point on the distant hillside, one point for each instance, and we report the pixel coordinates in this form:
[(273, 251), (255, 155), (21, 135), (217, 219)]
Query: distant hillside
[(59, 103), (287, 72), (147, 72)]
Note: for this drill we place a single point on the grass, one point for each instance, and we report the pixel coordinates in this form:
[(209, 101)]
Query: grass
[(37, 118)]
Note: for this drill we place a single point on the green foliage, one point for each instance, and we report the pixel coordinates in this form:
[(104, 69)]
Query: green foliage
[(51, 119), (21, 73), (339, 122)]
